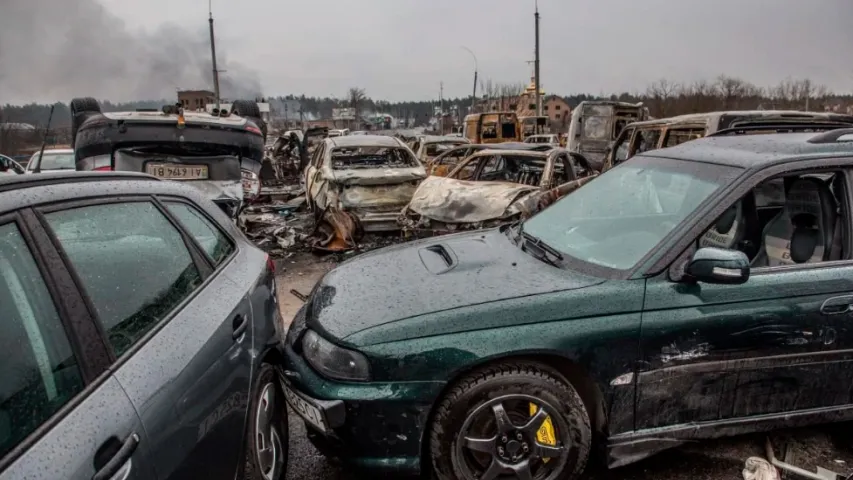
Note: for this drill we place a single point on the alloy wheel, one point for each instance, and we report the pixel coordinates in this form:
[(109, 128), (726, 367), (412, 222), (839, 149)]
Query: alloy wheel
[(267, 439)]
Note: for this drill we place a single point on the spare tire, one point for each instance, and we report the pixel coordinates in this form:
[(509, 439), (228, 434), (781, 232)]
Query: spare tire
[(250, 110), (81, 109)]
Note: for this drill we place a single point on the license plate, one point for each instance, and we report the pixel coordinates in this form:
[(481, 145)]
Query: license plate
[(309, 412), (177, 172)]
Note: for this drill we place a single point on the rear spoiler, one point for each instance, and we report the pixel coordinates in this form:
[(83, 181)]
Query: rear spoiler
[(781, 127)]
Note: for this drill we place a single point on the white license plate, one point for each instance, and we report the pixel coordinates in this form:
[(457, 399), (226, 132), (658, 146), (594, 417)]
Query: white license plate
[(177, 172), (309, 412)]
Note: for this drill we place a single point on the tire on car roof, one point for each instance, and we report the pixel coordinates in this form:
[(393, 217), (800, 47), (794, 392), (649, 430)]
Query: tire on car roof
[(81, 109), (250, 110), (509, 384)]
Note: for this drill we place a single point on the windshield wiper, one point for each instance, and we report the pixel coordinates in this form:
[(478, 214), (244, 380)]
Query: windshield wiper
[(547, 253)]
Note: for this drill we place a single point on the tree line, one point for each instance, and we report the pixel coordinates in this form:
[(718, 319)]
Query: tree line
[(664, 98)]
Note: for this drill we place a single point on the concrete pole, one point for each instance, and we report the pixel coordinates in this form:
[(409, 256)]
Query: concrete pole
[(536, 65), (213, 55)]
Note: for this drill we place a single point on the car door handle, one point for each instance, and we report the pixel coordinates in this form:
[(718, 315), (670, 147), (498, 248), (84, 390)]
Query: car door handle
[(837, 305), (240, 324), (118, 467)]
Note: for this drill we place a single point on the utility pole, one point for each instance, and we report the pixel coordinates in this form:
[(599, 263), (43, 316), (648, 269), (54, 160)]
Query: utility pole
[(536, 65), (213, 54), (476, 69), (441, 107)]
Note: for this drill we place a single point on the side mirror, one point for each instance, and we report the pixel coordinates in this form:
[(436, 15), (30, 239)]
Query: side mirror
[(718, 265)]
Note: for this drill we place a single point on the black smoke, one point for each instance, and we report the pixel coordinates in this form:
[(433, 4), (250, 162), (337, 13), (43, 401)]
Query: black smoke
[(53, 50)]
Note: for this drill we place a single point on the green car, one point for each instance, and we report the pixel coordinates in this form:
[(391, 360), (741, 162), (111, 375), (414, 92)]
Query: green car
[(690, 293)]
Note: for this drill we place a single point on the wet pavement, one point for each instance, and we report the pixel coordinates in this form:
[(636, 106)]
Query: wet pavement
[(830, 447)]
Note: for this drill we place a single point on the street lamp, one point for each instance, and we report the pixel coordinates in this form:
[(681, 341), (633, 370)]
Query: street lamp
[(476, 68)]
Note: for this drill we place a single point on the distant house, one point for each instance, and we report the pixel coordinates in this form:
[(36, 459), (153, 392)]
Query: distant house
[(195, 99), (557, 109)]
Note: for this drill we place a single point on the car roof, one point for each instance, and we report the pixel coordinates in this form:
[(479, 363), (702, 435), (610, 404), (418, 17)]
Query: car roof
[(364, 141), (442, 138), (704, 118), (758, 151), (54, 150), (504, 151)]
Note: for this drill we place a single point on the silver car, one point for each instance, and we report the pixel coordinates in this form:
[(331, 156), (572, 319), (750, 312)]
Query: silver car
[(138, 334)]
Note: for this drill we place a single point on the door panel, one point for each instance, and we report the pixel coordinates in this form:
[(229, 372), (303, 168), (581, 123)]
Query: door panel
[(69, 450), (191, 385), (715, 352)]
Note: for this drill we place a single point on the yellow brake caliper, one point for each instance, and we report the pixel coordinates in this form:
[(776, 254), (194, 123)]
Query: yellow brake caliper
[(545, 435)]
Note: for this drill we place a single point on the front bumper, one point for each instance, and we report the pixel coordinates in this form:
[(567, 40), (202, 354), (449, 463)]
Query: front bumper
[(377, 427)]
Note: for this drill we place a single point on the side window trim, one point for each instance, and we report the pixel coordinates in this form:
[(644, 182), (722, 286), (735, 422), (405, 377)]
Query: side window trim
[(162, 202), (85, 334)]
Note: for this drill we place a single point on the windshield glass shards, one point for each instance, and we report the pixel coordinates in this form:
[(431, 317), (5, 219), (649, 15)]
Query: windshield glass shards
[(372, 157)]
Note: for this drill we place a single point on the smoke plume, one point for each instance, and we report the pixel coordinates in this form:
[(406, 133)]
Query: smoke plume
[(53, 50)]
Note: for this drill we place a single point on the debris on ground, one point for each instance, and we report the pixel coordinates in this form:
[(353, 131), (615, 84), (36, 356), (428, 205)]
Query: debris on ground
[(757, 468)]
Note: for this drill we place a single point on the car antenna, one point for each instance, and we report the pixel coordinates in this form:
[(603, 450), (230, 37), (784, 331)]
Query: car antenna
[(44, 140)]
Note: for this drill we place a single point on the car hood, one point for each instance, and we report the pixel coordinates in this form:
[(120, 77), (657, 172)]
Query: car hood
[(460, 201), (429, 276)]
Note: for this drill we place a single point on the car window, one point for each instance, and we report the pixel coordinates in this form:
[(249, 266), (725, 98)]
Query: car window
[(469, 167), (38, 371), (620, 216), (647, 140), (215, 243), (53, 161), (678, 136), (132, 262), (622, 149)]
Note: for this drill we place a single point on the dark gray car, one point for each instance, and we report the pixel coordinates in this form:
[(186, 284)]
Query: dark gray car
[(137, 334)]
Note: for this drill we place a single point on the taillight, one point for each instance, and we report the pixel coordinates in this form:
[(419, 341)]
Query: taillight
[(104, 169), (255, 130), (270, 264), (251, 184)]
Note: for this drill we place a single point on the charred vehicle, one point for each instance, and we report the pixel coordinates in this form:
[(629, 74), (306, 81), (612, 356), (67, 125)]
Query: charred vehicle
[(656, 305), (638, 137), (492, 127), (219, 153), (494, 186), (443, 164), (427, 147), (287, 158), (361, 182), (533, 126), (596, 124)]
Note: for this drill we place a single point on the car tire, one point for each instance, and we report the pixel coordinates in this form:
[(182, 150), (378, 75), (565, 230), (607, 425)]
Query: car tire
[(267, 433), (81, 109), (465, 411), (250, 110)]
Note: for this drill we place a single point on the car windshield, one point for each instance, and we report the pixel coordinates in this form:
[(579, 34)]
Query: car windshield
[(435, 149), (372, 157), (53, 161), (620, 216)]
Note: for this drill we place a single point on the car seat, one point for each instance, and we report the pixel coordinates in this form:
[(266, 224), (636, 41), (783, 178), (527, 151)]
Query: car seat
[(807, 230)]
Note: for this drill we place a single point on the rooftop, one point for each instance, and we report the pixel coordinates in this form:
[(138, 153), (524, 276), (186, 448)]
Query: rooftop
[(755, 151)]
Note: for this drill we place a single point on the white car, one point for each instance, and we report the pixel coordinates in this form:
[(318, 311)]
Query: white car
[(9, 166), (543, 138), (52, 160)]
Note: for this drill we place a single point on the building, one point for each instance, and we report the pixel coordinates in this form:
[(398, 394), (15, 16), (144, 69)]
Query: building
[(195, 99), (556, 109)]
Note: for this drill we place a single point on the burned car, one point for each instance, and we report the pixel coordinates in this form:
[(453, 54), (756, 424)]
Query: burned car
[(443, 164), (494, 186), (361, 181), (219, 153), (427, 147)]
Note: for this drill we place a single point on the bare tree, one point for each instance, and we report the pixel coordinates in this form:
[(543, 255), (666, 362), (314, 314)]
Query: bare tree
[(356, 98), (660, 94)]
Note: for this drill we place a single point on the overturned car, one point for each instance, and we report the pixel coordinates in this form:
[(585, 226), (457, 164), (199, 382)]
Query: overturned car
[(360, 183), (493, 187), (219, 153)]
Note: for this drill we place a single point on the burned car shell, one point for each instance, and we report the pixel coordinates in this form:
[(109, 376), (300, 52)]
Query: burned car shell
[(443, 164), (109, 140), (375, 195), (627, 340), (422, 144), (454, 201)]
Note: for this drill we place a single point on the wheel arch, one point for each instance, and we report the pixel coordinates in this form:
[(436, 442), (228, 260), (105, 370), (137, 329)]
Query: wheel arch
[(570, 371)]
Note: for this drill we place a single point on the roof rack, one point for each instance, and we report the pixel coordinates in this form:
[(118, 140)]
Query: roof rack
[(832, 136), (781, 127)]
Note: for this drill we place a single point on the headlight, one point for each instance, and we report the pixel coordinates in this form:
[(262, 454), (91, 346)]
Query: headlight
[(333, 361)]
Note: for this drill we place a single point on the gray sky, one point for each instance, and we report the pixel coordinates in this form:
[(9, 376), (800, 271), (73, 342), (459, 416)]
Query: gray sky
[(402, 49)]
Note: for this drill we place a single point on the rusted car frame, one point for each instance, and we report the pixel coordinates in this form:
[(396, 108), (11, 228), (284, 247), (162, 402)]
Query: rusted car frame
[(369, 177), (427, 147), (596, 124)]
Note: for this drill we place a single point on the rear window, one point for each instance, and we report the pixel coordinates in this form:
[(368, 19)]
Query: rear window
[(436, 149), (372, 157)]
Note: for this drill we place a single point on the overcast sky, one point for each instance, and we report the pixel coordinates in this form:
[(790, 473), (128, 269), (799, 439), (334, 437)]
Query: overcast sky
[(403, 49)]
